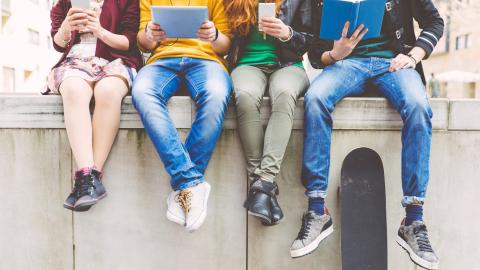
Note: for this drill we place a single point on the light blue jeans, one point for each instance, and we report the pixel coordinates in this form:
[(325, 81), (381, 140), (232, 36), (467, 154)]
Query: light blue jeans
[(405, 91), (209, 86)]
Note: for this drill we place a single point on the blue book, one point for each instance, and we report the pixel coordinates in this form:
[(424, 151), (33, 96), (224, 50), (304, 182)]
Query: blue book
[(336, 12)]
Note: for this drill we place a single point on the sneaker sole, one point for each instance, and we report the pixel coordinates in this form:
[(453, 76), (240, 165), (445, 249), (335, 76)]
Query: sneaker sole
[(90, 203), (262, 218), (203, 215), (414, 257), (79, 209), (312, 246)]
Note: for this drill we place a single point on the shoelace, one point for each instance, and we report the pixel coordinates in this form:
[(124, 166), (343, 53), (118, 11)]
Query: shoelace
[(84, 185), (306, 223), (421, 235), (184, 199)]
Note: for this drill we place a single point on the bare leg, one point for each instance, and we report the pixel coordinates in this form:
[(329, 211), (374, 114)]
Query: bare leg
[(108, 93), (76, 94)]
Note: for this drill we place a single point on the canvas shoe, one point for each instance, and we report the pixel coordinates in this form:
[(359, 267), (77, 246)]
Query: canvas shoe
[(194, 202), (314, 229), (414, 239), (175, 212)]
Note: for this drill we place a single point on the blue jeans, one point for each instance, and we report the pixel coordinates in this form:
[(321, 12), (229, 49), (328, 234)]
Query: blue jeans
[(405, 91), (209, 86)]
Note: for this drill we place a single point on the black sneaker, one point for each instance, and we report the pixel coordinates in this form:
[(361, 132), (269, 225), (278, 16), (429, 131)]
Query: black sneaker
[(414, 239), (90, 190), (73, 196), (314, 229)]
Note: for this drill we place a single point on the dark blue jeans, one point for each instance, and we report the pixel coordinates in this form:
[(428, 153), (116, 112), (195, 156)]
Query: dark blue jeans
[(209, 86), (405, 91)]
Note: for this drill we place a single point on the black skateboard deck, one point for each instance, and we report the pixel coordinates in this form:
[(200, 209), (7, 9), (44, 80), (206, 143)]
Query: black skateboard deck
[(364, 225)]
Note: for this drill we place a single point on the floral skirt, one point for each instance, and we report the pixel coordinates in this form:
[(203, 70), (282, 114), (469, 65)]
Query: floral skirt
[(91, 69)]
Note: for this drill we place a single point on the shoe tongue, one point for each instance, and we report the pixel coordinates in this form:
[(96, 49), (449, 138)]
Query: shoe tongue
[(312, 214), (417, 223)]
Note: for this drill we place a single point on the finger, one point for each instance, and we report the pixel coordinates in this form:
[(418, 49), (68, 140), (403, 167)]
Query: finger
[(271, 31), (153, 26), (360, 36), (79, 22), (356, 32), (158, 34), (269, 20), (272, 25), (345, 29), (207, 25), (77, 16), (74, 10)]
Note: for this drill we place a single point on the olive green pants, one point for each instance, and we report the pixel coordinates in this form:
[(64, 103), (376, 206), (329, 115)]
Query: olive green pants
[(264, 150)]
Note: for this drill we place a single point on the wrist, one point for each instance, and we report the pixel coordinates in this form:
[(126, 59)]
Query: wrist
[(333, 56), (288, 36), (217, 34), (415, 61)]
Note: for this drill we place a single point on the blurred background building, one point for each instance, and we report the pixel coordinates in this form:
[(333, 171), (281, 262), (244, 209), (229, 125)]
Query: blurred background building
[(456, 60), (26, 53)]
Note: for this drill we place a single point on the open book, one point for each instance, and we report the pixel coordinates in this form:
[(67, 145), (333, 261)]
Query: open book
[(336, 12)]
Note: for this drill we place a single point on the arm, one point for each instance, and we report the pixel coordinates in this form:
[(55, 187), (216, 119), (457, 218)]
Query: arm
[(219, 21), (118, 42), (429, 20), (148, 35), (431, 23), (64, 21)]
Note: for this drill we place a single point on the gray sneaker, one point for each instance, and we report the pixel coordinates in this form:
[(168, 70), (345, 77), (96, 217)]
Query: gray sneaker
[(314, 229), (414, 239)]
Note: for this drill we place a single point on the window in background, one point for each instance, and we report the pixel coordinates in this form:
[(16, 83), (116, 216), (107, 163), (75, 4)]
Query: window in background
[(33, 37), (8, 79), (462, 42)]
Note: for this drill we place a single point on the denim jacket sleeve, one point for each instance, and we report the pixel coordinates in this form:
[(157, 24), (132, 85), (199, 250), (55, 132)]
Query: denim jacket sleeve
[(431, 23)]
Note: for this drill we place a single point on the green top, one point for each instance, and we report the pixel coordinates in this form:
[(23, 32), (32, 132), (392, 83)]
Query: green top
[(373, 47), (260, 51)]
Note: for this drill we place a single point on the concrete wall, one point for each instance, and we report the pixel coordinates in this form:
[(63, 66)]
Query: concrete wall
[(129, 230)]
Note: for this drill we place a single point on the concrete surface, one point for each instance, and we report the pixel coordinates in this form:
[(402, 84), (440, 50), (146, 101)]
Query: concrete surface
[(129, 229)]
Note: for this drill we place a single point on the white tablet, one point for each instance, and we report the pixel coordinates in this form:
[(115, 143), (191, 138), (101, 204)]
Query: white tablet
[(180, 21)]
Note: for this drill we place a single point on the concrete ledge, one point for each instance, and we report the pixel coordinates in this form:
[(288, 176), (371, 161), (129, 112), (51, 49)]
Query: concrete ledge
[(35, 111)]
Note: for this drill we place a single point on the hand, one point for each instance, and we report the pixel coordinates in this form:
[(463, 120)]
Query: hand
[(274, 27), (402, 61), (345, 45), (76, 19), (155, 32), (93, 23), (207, 32)]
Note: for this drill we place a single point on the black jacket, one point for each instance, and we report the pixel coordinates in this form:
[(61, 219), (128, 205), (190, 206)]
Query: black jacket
[(397, 23), (295, 13)]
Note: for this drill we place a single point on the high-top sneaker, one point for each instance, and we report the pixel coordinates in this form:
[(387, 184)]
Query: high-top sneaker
[(91, 189)]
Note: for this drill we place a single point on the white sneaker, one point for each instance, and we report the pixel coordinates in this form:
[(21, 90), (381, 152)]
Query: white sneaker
[(175, 211), (196, 201)]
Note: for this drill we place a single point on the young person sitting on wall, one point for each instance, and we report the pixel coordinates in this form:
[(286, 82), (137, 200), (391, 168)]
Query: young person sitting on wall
[(391, 64), (100, 58), (199, 65), (269, 58)]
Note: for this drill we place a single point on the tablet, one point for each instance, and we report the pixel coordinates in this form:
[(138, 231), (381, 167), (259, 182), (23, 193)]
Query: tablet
[(180, 21)]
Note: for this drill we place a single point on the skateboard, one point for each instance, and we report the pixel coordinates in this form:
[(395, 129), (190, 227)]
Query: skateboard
[(363, 213)]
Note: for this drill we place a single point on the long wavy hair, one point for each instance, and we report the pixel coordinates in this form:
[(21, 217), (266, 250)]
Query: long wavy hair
[(242, 14)]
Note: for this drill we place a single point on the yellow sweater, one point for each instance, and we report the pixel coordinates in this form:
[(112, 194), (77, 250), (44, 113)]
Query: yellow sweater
[(187, 47)]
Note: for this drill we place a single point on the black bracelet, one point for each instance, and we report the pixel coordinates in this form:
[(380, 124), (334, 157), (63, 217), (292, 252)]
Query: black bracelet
[(331, 57), (413, 58), (217, 33)]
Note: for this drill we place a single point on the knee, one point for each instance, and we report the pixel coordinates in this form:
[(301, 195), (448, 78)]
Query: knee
[(285, 101), (76, 94), (246, 102), (317, 101), (417, 110), (108, 97), (217, 97)]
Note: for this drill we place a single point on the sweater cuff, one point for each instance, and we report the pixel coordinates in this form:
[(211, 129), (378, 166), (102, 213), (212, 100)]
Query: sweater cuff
[(427, 41)]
